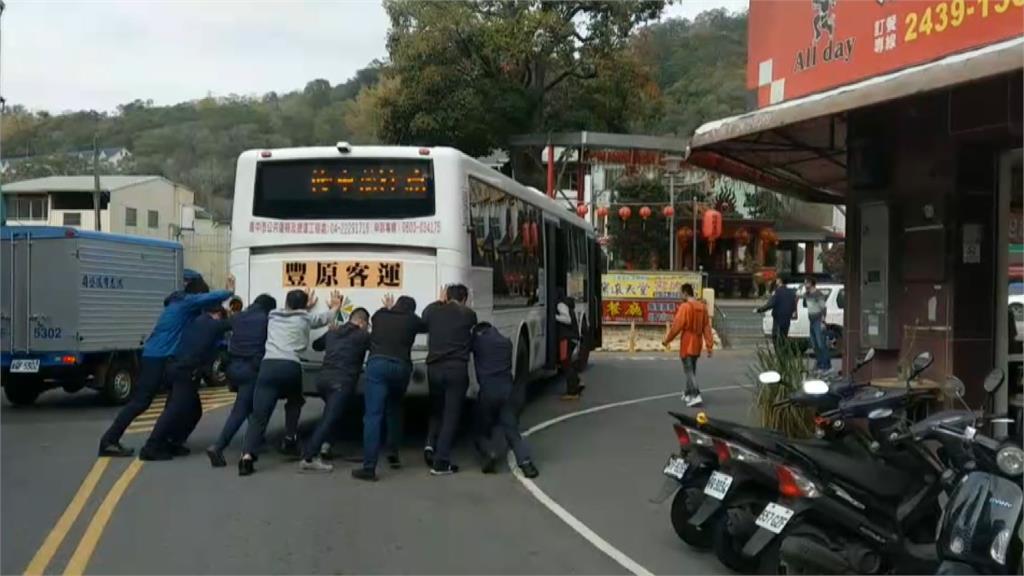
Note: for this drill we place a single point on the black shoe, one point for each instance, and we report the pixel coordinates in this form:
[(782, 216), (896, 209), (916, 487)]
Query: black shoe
[(529, 470), (289, 447), (115, 450), (444, 469), (366, 474), (490, 465), (216, 457), (394, 462), (245, 467), (428, 456), (177, 450), (155, 454)]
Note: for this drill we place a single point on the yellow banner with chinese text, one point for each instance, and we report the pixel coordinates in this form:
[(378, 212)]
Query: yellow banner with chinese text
[(648, 285)]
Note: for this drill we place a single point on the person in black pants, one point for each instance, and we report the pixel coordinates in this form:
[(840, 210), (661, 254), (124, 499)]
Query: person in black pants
[(449, 326), (395, 327), (245, 351), (496, 418), (281, 369), (782, 303), (158, 353), (345, 348), (183, 410)]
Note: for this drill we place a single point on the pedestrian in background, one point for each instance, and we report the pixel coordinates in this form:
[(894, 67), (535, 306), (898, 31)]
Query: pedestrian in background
[(782, 303), (245, 352), (449, 326), (344, 348), (817, 307), (496, 419), (693, 326), (159, 349), (388, 369), (281, 369), (568, 341), (183, 409)]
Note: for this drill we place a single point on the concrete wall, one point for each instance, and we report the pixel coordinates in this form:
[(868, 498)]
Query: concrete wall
[(165, 197), (207, 249)]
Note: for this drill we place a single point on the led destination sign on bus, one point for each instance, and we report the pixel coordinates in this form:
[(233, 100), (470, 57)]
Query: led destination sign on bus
[(344, 189)]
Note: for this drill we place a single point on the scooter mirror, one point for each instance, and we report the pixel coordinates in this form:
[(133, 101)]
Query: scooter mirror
[(921, 363), (956, 386), (869, 356), (994, 380), (815, 387), (769, 377)]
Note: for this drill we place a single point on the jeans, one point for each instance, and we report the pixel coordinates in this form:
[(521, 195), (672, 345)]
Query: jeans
[(780, 329), (386, 382), (151, 376), (242, 373), (822, 359), (334, 407), (496, 421), (182, 412), (276, 378), (448, 382), (690, 375)]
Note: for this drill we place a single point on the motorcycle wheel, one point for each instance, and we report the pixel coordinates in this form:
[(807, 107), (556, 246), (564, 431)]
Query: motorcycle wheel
[(684, 504), (729, 535)]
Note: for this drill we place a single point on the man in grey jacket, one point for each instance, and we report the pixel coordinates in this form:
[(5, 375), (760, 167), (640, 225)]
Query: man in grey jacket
[(281, 369), (817, 304)]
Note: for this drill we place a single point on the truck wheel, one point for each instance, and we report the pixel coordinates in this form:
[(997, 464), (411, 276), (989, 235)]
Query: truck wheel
[(22, 391), (118, 381)]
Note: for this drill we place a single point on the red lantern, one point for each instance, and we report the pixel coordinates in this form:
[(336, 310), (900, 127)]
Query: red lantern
[(534, 241), (742, 237), (668, 211), (602, 212), (526, 236), (645, 212), (712, 227), (683, 236), (625, 213), (582, 210), (768, 240)]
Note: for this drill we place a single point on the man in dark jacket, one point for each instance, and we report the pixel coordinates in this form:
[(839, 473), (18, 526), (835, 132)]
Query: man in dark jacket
[(184, 409), (449, 326), (344, 348), (395, 327), (245, 351), (568, 341), (496, 416), (782, 303), (179, 309)]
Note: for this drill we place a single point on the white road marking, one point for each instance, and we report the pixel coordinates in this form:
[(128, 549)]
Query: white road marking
[(582, 529)]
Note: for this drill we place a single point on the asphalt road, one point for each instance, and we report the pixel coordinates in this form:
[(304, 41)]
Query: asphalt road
[(602, 467)]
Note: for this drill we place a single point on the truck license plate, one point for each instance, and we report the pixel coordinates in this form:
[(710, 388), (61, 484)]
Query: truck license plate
[(24, 366), (718, 485), (774, 517), (676, 467)]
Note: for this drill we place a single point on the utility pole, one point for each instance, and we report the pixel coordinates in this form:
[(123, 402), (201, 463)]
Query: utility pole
[(672, 167), (3, 109), (97, 192)]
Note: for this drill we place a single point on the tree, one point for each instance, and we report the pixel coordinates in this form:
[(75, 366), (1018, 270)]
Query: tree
[(635, 242), (475, 73)]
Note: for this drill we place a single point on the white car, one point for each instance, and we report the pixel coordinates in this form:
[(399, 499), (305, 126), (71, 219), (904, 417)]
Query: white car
[(800, 327)]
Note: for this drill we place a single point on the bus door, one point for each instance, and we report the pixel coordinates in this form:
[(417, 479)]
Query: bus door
[(596, 268), (555, 265)]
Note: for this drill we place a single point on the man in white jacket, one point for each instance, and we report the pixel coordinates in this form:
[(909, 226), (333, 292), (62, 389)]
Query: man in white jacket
[(281, 369)]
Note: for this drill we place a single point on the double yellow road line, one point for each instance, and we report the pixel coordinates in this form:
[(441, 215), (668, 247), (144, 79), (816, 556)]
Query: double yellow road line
[(94, 531)]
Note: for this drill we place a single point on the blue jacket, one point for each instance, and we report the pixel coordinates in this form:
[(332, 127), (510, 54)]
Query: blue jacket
[(782, 304), (179, 309), (198, 345), (249, 334), (492, 358)]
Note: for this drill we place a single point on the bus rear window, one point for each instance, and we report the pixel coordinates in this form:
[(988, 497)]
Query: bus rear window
[(344, 188)]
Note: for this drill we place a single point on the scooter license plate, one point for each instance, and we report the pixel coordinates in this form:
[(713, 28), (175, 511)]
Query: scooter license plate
[(676, 467), (718, 485), (774, 517)]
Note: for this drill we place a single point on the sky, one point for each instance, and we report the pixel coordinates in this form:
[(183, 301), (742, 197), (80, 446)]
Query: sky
[(60, 55)]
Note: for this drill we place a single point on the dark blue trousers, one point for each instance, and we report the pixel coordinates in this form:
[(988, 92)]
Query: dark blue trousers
[(386, 382), (277, 378), (242, 373), (151, 377)]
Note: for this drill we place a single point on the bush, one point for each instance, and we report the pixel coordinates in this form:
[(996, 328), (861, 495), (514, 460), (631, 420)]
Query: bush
[(786, 359)]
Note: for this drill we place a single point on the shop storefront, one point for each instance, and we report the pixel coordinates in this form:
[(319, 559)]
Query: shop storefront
[(909, 115)]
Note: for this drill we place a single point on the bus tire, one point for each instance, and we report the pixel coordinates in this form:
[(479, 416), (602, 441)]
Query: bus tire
[(118, 381), (521, 378), (21, 390)]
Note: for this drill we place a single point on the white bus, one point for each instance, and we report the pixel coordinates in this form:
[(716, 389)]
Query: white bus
[(404, 220)]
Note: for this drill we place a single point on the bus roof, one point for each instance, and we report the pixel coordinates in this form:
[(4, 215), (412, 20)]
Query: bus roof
[(527, 193)]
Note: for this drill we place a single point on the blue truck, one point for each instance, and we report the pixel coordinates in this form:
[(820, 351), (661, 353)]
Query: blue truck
[(76, 307)]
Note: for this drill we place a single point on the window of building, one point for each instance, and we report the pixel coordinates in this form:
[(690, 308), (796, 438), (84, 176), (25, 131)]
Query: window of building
[(154, 218), (72, 218), (131, 217), (76, 201), (33, 207), (507, 236)]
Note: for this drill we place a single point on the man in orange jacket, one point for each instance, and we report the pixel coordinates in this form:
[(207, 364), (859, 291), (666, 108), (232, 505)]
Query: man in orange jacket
[(692, 322)]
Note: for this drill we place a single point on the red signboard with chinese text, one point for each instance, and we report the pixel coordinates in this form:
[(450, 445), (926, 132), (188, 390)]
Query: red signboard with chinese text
[(799, 47), (638, 311)]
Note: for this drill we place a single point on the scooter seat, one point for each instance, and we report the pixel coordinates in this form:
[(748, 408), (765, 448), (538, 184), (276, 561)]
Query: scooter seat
[(856, 467)]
